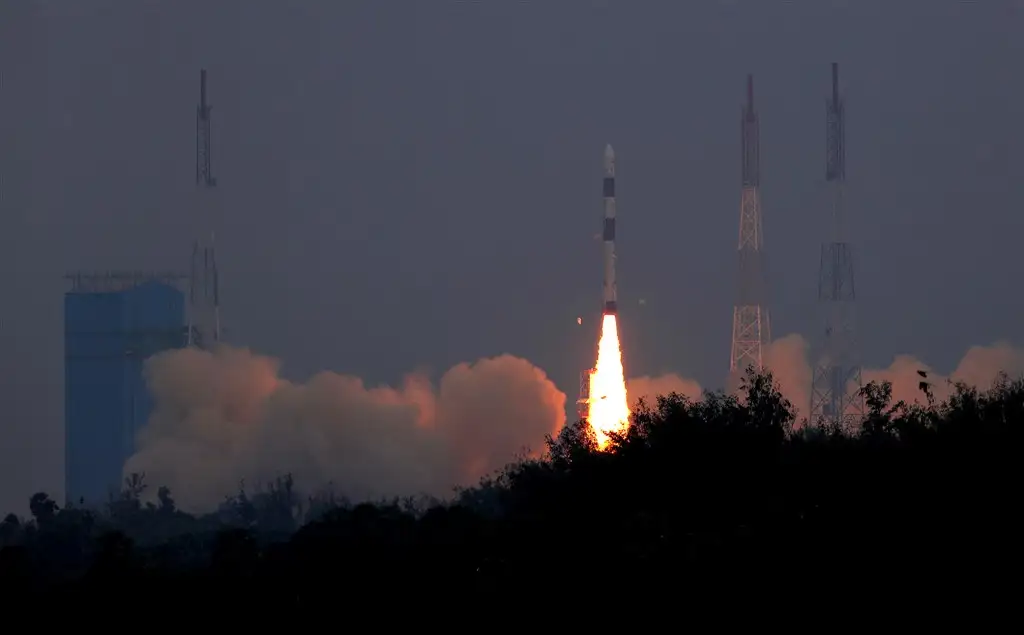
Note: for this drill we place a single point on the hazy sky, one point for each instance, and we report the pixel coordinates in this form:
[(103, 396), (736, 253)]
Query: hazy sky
[(417, 183)]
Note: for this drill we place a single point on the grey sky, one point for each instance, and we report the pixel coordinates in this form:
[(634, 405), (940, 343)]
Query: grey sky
[(411, 184)]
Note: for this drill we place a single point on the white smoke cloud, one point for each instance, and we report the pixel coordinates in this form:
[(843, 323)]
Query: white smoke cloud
[(650, 388), (979, 367), (224, 416), (788, 359)]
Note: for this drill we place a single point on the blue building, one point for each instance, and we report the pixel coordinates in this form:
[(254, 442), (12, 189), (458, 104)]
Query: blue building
[(112, 323)]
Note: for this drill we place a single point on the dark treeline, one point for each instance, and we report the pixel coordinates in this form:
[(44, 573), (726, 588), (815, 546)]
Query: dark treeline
[(694, 496)]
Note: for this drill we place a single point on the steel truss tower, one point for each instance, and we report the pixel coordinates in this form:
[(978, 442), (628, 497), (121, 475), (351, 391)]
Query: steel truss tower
[(583, 403), (204, 287), (836, 380), (751, 324)]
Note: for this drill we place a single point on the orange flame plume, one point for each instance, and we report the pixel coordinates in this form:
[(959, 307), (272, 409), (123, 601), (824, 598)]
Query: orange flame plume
[(609, 409)]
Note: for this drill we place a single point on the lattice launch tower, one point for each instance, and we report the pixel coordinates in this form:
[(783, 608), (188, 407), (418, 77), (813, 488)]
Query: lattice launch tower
[(836, 379), (204, 283), (583, 403), (751, 324)]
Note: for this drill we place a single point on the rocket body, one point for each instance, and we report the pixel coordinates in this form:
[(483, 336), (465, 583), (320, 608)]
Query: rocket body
[(611, 303)]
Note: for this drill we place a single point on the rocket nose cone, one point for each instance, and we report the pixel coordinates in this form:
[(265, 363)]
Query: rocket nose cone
[(609, 153)]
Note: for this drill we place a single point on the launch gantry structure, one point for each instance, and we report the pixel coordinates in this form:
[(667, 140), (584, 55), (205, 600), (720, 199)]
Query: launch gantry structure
[(583, 403), (751, 324), (836, 380), (204, 283)]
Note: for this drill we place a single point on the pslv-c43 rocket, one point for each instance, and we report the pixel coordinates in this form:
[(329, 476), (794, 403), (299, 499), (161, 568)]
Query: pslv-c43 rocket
[(610, 291)]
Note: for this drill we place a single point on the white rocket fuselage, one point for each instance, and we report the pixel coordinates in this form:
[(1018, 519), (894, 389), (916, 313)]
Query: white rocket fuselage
[(611, 303)]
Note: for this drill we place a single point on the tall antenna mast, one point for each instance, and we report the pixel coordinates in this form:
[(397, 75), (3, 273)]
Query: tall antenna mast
[(204, 287), (751, 325), (836, 380)]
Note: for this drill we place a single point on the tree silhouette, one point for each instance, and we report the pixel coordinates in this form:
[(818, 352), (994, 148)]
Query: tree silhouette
[(43, 509), (693, 494)]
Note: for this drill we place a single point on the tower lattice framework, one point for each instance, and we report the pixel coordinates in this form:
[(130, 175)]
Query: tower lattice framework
[(836, 382), (751, 324), (204, 283)]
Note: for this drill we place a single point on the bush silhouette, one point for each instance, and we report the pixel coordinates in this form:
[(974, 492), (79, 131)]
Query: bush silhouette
[(719, 493)]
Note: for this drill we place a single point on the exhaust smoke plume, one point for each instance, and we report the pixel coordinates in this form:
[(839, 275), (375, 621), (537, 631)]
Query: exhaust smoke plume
[(650, 388), (979, 367), (224, 416), (788, 359)]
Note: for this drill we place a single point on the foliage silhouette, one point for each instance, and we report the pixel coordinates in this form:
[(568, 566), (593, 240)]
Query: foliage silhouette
[(723, 490)]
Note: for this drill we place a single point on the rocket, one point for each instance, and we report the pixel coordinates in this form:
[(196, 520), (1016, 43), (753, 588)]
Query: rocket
[(610, 287)]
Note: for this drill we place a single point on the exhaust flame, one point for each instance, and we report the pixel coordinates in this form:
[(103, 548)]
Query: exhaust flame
[(609, 409)]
